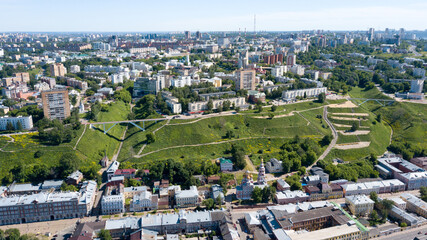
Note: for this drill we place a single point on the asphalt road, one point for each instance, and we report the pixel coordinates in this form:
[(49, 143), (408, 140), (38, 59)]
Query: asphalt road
[(407, 234)]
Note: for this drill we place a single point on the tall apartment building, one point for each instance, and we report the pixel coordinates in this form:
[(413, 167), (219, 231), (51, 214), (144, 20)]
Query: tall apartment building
[(58, 70), (291, 59), (74, 68), (187, 34), (72, 82), (145, 85), (56, 104), (22, 77), (245, 79)]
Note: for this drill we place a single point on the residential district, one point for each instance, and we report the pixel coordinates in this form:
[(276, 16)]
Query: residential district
[(74, 106)]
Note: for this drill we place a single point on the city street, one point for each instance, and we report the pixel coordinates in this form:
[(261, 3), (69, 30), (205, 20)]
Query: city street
[(407, 234)]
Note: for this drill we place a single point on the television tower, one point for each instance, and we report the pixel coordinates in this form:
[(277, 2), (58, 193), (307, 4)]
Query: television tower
[(255, 24)]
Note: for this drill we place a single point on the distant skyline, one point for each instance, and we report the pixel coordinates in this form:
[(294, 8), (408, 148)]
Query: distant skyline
[(220, 15)]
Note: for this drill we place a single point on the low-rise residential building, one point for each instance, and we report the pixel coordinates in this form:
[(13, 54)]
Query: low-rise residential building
[(217, 194), (132, 191), (282, 185), (413, 180), (72, 82), (226, 165), (385, 186), (172, 223), (398, 202), (274, 166), (113, 204), (415, 204), (46, 206), (127, 173), (288, 196), (18, 123), (74, 68), (187, 198), (402, 216), (144, 201), (114, 166), (201, 106), (359, 205), (308, 92), (74, 178), (420, 162), (323, 191)]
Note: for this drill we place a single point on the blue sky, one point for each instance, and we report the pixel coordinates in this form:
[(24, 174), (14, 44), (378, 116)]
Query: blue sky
[(218, 15)]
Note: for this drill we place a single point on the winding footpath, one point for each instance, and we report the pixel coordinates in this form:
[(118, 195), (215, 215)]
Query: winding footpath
[(202, 144), (77, 143), (334, 135)]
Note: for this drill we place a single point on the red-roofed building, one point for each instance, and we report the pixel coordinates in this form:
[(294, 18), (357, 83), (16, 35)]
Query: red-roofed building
[(127, 173)]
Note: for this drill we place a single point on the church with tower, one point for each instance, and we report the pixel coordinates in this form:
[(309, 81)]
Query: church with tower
[(245, 189)]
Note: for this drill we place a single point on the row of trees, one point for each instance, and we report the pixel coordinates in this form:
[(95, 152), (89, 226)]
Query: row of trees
[(15, 234), (263, 195)]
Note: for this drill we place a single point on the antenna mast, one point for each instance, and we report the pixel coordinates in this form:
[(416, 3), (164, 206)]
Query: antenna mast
[(255, 24)]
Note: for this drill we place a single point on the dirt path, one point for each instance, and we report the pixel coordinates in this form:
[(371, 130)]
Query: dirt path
[(348, 119), (358, 132), (154, 132), (348, 104), (114, 158), (345, 146), (77, 143), (352, 114)]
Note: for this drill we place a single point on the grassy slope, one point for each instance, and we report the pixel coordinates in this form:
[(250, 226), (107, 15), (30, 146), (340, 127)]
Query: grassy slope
[(408, 120), (21, 152), (410, 125), (95, 142), (214, 130)]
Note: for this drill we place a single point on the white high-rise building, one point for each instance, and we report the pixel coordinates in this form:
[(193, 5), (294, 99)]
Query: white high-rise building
[(417, 86), (74, 68)]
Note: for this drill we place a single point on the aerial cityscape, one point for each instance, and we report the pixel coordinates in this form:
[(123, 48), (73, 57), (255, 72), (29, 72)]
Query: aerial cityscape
[(213, 120)]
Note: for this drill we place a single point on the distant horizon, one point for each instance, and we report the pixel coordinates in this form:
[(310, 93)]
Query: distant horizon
[(213, 31), (222, 15)]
